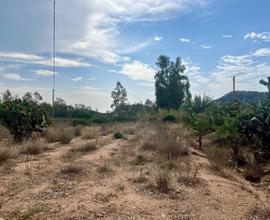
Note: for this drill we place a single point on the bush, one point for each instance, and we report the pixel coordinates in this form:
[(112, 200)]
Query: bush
[(118, 135), (89, 133), (169, 118), (33, 147), (63, 136), (163, 182), (167, 141), (22, 118), (77, 131)]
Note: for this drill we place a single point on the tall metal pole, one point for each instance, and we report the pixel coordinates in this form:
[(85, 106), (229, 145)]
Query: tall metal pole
[(53, 55), (234, 84)]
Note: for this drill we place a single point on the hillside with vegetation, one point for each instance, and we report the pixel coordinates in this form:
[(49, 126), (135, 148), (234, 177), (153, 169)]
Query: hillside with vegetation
[(244, 96), (180, 157)]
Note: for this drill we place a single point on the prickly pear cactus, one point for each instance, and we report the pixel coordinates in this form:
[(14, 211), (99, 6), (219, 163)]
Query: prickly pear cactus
[(22, 118)]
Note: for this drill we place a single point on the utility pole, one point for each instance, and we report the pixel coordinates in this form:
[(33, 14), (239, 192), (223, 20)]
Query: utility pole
[(233, 84), (53, 56)]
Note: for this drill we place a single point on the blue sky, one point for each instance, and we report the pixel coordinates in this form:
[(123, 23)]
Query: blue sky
[(101, 42)]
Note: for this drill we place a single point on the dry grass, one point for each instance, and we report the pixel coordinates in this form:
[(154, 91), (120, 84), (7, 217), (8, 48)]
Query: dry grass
[(89, 133), (5, 153), (259, 213), (5, 136), (87, 147), (104, 168), (57, 134), (168, 141), (141, 178), (73, 170), (139, 160), (188, 174), (77, 131), (163, 182), (219, 159), (33, 147)]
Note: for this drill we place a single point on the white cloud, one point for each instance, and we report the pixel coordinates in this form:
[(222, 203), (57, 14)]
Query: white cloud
[(43, 72), (92, 78), (205, 46), (264, 36), (15, 76), (262, 52), (138, 71), (40, 60), (158, 38), (90, 96), (184, 40), (147, 84), (103, 40), (79, 78), (227, 36)]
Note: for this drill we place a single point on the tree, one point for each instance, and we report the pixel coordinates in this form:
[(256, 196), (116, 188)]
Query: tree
[(37, 96), (119, 95), (266, 83), (172, 88), (7, 96), (202, 124), (28, 97)]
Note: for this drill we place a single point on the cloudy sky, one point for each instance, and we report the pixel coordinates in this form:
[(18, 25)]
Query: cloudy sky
[(100, 42)]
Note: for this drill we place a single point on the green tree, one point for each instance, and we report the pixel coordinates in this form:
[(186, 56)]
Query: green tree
[(172, 88), (7, 96), (202, 124), (266, 83), (119, 95)]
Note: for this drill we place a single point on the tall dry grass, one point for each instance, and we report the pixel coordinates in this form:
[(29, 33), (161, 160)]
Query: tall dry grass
[(58, 134), (168, 140), (89, 133), (33, 147)]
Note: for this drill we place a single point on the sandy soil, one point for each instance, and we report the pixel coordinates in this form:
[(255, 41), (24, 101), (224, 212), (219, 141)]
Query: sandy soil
[(34, 187)]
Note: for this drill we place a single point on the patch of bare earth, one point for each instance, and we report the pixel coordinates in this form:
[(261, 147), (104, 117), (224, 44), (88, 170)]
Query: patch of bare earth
[(113, 182)]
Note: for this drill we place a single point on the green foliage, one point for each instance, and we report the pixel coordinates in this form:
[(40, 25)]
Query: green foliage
[(119, 95), (171, 87), (82, 122), (203, 124), (169, 118), (118, 135), (22, 118), (266, 83)]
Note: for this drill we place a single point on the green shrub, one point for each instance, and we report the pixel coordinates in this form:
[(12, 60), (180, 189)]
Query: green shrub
[(118, 135), (22, 118), (169, 118)]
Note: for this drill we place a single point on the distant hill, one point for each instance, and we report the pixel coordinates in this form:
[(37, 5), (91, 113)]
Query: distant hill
[(250, 96)]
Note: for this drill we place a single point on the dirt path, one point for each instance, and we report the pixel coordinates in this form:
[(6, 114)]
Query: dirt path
[(37, 188)]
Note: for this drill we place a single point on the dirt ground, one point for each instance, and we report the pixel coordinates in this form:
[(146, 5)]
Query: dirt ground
[(101, 184)]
